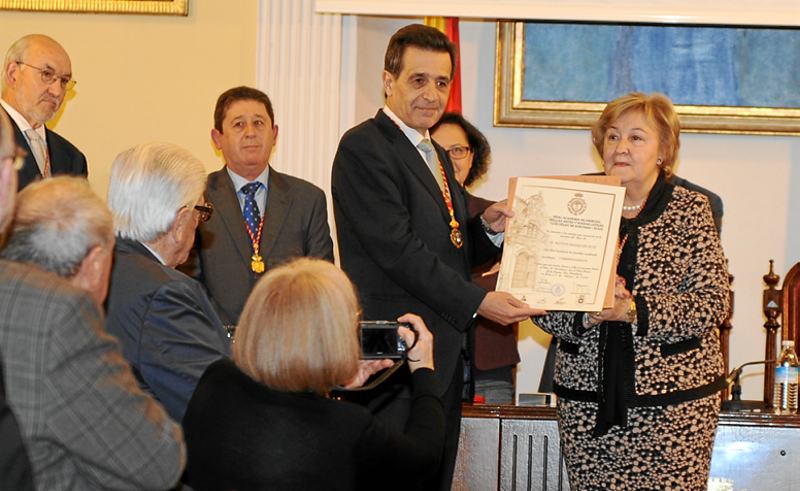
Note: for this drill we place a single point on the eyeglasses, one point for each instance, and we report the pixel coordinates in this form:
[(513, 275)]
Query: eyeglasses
[(49, 76), (206, 210), (458, 152)]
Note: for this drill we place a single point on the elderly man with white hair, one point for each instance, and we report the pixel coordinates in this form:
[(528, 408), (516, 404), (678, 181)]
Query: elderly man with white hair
[(166, 323), (84, 421)]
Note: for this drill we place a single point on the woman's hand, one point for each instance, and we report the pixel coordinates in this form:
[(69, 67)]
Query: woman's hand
[(421, 355), (366, 369), (619, 311)]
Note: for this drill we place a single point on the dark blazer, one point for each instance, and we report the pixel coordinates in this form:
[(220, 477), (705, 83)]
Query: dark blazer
[(166, 324), (240, 434), (296, 225), (394, 237), (65, 158)]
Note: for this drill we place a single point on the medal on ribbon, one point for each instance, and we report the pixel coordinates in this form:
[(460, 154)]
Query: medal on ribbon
[(455, 232)]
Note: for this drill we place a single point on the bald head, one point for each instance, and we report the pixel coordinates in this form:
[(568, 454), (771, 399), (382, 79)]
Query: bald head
[(29, 65)]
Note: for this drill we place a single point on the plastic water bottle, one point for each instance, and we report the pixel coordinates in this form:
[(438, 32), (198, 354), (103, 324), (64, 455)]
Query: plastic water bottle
[(787, 370)]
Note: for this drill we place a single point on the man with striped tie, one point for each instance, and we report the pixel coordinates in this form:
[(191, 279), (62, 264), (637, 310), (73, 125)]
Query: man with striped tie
[(262, 217)]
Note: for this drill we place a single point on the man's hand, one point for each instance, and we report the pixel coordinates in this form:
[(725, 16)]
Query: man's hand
[(505, 309), (495, 216)]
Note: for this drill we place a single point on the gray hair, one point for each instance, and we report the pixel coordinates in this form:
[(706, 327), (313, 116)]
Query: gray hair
[(149, 184), (57, 223)]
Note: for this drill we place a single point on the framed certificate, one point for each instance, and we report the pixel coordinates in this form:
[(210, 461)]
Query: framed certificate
[(560, 247)]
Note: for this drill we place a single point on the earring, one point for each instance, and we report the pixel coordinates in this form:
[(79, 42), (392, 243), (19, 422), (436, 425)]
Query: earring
[(658, 162)]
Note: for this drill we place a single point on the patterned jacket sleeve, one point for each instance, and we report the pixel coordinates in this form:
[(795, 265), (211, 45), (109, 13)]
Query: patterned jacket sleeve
[(690, 294), (121, 437), (563, 325)]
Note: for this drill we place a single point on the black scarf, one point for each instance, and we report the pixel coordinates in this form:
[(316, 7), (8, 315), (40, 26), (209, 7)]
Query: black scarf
[(616, 386)]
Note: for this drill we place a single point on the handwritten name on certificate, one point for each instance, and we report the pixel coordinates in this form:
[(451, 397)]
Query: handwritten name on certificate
[(560, 246)]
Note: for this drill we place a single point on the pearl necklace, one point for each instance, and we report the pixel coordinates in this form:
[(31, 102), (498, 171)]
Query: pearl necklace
[(631, 208)]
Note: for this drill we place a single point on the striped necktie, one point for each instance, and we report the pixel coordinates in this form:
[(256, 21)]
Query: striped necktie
[(39, 151), (432, 160)]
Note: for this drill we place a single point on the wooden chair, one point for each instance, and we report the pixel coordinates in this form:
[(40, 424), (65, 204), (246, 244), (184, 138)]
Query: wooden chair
[(784, 303)]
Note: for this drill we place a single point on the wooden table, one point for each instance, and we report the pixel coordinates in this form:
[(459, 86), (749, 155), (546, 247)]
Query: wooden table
[(517, 448)]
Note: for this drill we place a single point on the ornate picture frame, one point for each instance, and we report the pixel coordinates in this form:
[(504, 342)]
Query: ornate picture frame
[(153, 7), (512, 109)]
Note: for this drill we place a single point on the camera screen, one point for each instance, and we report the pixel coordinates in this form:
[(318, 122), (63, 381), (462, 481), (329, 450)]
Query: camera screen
[(381, 340)]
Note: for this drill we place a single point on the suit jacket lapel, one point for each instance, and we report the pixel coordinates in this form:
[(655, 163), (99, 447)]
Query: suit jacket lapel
[(58, 159), (30, 170), (223, 197), (411, 158), (277, 210)]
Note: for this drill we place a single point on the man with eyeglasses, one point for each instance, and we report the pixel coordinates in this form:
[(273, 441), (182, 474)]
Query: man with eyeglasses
[(166, 324), (37, 74)]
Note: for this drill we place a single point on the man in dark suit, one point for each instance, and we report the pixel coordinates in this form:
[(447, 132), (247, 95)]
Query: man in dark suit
[(168, 328), (37, 74), (286, 218), (405, 238), (85, 423)]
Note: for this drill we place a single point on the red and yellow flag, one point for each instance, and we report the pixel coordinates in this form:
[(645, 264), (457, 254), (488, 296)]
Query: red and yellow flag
[(449, 26)]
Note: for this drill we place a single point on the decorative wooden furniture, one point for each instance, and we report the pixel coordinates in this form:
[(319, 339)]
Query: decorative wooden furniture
[(784, 303), (517, 448)]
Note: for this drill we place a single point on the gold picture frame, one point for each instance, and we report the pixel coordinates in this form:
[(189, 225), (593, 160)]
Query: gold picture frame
[(152, 7), (510, 109)]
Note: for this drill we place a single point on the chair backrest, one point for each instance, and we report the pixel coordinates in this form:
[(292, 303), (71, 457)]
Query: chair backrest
[(784, 303), (791, 305)]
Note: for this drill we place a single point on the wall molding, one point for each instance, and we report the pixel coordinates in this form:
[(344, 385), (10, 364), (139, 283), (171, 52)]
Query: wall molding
[(734, 12)]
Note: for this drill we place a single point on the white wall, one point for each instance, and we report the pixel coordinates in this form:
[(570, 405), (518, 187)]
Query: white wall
[(754, 175)]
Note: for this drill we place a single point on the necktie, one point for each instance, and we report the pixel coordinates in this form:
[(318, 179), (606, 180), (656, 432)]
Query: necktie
[(433, 161), (39, 151), (252, 216)]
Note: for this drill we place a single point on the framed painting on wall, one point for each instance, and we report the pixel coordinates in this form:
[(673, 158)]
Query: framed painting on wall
[(721, 79), (155, 7)]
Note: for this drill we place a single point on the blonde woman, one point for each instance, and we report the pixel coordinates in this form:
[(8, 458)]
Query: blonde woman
[(265, 420), (638, 382)]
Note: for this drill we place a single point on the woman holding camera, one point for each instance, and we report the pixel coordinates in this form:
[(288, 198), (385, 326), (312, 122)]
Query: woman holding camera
[(265, 420)]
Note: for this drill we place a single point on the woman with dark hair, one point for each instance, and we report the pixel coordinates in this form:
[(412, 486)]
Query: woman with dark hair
[(637, 383), (468, 148), (494, 346), (265, 419)]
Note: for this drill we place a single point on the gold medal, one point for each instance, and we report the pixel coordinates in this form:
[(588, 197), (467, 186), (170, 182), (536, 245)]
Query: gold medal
[(456, 238), (257, 263)]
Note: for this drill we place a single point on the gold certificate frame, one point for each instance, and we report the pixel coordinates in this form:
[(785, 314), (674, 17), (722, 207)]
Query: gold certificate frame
[(153, 7), (511, 109)]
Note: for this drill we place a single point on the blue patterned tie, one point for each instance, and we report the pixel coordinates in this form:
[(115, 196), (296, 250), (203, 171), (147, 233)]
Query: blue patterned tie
[(252, 216)]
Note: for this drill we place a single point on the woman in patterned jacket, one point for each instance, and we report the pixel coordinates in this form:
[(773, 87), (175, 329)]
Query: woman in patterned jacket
[(638, 382)]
